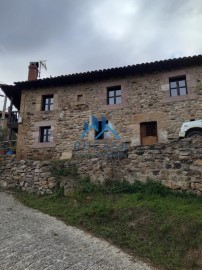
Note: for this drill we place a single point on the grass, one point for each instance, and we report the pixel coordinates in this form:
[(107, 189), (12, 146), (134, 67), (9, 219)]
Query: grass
[(147, 220)]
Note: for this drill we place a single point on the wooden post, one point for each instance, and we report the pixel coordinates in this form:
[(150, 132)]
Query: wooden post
[(3, 112), (9, 119)]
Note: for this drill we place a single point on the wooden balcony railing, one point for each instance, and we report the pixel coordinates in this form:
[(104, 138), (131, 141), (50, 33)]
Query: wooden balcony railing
[(13, 117), (13, 122)]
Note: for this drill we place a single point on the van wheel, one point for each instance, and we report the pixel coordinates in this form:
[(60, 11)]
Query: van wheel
[(194, 134)]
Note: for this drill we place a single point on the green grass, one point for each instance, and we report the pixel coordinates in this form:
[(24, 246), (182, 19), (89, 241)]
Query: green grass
[(147, 220)]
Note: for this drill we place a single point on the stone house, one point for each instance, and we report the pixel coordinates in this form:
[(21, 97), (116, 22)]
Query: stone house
[(143, 104)]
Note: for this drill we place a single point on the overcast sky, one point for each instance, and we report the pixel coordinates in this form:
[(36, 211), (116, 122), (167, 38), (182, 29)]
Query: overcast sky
[(84, 35)]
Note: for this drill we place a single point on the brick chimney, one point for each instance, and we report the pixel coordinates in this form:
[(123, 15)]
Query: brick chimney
[(33, 71)]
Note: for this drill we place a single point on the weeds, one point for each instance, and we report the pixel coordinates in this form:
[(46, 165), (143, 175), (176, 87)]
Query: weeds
[(60, 168), (119, 187)]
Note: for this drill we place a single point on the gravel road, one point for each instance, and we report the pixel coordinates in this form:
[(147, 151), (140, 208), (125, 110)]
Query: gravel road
[(34, 241)]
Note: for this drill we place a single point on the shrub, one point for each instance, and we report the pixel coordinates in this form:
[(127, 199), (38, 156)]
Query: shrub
[(60, 168), (83, 184)]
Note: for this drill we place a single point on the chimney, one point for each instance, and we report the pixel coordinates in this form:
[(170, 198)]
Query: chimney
[(33, 71)]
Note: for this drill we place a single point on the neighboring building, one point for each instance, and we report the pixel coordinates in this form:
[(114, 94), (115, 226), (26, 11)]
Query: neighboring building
[(144, 104)]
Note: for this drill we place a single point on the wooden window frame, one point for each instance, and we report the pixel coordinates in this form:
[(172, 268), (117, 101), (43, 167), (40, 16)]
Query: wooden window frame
[(178, 87), (114, 89), (45, 134), (149, 133), (150, 128), (47, 100)]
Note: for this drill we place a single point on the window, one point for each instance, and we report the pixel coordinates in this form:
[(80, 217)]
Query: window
[(45, 134), (114, 95), (47, 103), (178, 87), (149, 129), (79, 98), (148, 132)]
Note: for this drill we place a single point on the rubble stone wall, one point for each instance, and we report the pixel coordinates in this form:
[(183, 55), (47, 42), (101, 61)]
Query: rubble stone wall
[(31, 176), (177, 165)]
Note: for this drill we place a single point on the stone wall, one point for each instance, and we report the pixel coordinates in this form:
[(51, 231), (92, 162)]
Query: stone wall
[(177, 165), (145, 98), (31, 176)]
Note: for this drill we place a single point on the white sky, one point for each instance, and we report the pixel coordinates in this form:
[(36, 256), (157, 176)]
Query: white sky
[(83, 35)]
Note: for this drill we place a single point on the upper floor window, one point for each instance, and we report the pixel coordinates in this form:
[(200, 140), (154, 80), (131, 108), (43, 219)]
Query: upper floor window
[(45, 134), (178, 86), (114, 95), (47, 103)]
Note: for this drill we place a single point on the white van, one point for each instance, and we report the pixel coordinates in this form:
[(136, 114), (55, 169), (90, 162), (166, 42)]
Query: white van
[(192, 128)]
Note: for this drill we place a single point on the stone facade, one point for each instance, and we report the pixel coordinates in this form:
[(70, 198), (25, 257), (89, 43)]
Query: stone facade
[(145, 98), (177, 165)]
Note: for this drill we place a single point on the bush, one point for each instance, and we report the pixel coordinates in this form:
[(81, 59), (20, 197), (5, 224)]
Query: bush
[(84, 185), (60, 168)]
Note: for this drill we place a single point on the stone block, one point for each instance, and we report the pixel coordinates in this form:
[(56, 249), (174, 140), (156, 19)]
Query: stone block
[(167, 183), (175, 185), (198, 162), (52, 185), (181, 158), (185, 185), (66, 155), (177, 165), (198, 186)]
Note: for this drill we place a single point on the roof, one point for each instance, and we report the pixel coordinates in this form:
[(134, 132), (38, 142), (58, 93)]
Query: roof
[(97, 75)]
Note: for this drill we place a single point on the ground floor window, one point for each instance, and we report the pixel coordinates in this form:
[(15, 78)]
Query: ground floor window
[(148, 133), (45, 134)]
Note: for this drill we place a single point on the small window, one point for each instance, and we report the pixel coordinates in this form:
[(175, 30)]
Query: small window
[(178, 87), (114, 95), (47, 103), (148, 132), (45, 134), (79, 98)]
